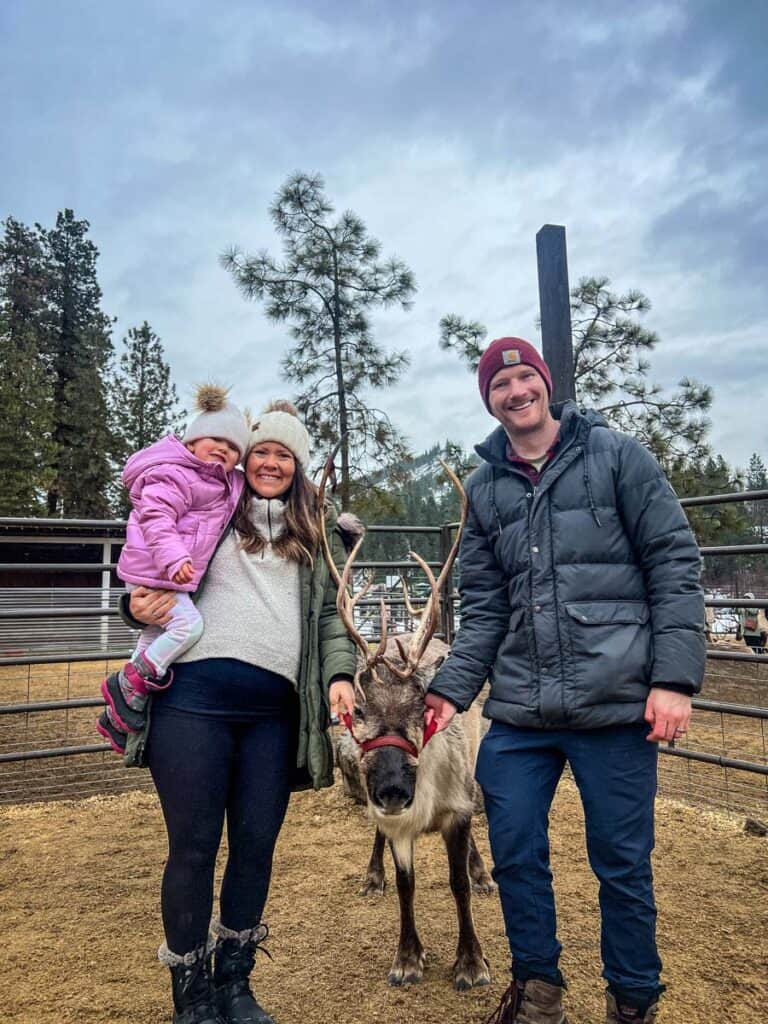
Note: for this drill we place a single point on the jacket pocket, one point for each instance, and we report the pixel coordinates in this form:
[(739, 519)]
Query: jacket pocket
[(600, 613), (510, 675), (611, 650)]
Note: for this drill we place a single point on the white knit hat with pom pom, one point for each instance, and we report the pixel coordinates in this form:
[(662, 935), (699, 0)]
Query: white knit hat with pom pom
[(217, 418), (280, 422)]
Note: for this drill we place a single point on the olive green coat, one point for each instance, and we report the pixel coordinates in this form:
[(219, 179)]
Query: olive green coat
[(326, 651)]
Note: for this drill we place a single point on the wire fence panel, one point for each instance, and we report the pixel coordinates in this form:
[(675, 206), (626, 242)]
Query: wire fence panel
[(58, 641)]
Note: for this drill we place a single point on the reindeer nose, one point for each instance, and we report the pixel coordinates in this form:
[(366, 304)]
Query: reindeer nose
[(392, 798)]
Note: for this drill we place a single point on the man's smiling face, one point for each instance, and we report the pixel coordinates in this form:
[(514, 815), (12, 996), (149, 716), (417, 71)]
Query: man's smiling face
[(519, 399)]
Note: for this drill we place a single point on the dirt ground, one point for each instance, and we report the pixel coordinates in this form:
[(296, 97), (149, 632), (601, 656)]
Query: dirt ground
[(81, 919)]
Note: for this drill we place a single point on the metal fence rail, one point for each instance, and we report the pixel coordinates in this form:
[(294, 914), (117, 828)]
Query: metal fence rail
[(56, 643)]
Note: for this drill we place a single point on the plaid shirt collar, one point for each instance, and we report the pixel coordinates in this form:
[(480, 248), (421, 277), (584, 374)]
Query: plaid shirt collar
[(533, 474)]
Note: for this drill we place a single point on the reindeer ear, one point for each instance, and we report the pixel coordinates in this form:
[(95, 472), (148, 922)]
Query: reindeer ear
[(427, 673)]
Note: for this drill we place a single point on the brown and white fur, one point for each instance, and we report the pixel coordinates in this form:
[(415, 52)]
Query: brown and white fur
[(408, 796)]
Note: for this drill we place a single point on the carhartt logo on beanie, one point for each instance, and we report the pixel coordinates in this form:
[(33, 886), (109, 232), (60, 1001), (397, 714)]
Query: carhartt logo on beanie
[(217, 418), (505, 352)]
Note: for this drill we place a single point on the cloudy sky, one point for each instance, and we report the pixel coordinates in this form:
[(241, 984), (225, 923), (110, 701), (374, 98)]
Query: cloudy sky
[(454, 129)]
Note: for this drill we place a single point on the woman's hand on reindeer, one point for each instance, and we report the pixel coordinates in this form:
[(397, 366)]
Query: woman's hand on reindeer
[(152, 607), (439, 710), (341, 697)]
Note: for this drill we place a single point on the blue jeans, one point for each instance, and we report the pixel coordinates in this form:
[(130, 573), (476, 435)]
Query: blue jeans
[(615, 771)]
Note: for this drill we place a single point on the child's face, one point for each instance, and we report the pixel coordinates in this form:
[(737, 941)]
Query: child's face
[(215, 449)]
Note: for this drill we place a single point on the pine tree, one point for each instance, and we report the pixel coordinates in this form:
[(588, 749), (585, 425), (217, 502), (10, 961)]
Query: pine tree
[(78, 349), (757, 480), (25, 393), (145, 402), (611, 368), (611, 371), (330, 278)]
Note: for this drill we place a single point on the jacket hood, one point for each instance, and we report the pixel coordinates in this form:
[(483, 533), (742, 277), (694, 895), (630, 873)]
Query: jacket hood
[(573, 421), (167, 451)]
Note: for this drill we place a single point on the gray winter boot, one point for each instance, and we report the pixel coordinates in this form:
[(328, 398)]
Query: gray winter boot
[(193, 1001), (618, 1013), (233, 959), (530, 1002)]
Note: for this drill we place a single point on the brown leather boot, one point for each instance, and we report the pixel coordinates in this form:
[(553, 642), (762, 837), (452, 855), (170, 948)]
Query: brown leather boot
[(530, 1002), (618, 1013)]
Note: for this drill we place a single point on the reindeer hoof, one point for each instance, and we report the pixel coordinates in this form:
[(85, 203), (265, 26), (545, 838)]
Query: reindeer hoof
[(469, 973), (372, 886), (407, 970), (484, 885)]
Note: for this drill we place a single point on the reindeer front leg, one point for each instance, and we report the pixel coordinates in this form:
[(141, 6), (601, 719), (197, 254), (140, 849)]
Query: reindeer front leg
[(470, 968), (408, 965), (374, 881)]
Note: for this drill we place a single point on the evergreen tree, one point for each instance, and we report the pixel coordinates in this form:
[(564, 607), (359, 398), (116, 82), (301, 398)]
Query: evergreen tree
[(610, 349), (611, 371), (757, 480), (715, 525), (145, 403), (329, 280), (25, 393), (78, 349)]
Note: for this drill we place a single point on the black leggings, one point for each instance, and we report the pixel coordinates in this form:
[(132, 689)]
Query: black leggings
[(206, 767)]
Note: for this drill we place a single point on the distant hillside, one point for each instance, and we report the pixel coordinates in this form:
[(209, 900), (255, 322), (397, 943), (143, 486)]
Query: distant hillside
[(422, 496)]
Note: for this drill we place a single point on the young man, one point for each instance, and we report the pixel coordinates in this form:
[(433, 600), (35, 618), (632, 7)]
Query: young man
[(580, 602)]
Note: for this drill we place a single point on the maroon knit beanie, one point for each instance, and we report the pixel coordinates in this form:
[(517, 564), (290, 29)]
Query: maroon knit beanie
[(509, 352)]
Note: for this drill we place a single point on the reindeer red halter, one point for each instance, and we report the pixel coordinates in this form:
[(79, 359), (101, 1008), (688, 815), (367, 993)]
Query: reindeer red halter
[(390, 739), (345, 604)]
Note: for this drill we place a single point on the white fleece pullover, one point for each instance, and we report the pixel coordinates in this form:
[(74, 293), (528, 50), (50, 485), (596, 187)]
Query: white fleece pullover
[(251, 604)]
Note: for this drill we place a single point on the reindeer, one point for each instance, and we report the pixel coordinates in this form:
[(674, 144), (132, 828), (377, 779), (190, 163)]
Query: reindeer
[(412, 779)]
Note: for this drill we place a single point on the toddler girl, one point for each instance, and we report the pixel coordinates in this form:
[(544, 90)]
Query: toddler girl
[(183, 494)]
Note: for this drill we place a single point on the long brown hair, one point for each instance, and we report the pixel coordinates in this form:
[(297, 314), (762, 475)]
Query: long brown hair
[(301, 537)]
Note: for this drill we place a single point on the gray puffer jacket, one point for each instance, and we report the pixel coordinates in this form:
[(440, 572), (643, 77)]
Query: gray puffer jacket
[(579, 594)]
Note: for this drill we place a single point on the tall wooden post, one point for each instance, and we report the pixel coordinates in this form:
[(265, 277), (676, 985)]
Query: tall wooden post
[(555, 309)]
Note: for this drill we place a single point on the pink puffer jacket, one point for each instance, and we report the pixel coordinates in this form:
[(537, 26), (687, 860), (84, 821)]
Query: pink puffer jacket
[(181, 507)]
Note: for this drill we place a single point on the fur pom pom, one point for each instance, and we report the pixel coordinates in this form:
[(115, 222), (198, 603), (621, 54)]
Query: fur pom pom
[(281, 405), (350, 529), (210, 397)]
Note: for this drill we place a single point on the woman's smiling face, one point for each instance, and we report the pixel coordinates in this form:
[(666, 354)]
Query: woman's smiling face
[(269, 469)]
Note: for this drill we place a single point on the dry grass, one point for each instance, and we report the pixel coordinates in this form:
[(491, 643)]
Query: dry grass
[(80, 883)]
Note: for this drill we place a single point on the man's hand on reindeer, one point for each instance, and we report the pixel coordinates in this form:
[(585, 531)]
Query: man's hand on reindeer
[(438, 709)]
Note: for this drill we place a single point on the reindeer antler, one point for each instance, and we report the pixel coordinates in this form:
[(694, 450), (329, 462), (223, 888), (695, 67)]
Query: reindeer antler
[(345, 602), (415, 613), (430, 615)]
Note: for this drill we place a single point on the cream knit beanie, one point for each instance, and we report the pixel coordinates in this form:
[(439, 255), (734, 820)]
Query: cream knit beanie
[(280, 422), (217, 418)]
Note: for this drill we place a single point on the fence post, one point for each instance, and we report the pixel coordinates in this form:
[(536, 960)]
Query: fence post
[(106, 558), (555, 310), (447, 622)]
